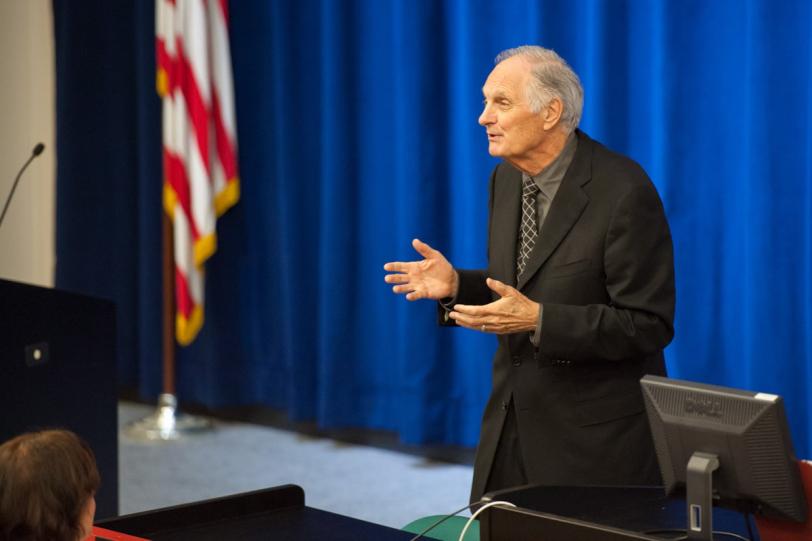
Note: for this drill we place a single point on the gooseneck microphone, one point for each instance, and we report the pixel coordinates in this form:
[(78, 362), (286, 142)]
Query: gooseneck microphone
[(34, 153)]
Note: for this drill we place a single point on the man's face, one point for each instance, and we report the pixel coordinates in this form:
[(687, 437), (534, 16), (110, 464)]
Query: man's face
[(514, 131)]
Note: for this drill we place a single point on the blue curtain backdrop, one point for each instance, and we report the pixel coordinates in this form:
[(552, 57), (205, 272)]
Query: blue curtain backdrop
[(357, 132)]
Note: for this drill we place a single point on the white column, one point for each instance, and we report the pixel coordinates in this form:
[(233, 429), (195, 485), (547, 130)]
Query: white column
[(27, 116)]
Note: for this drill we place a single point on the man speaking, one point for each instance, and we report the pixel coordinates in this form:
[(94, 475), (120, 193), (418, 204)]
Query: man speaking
[(579, 289)]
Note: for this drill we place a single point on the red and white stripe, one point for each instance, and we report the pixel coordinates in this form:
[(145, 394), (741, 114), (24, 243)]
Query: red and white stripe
[(199, 140)]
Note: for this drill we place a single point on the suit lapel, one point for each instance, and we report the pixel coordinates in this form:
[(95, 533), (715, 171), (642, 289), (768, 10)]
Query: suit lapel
[(567, 206), (507, 206)]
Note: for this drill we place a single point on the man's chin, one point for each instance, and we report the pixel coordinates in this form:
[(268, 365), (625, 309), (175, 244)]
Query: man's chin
[(494, 150)]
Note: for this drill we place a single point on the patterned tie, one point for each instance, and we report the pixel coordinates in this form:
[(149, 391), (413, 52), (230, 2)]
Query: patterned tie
[(529, 229)]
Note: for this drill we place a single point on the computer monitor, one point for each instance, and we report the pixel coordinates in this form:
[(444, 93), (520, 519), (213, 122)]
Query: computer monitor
[(724, 446)]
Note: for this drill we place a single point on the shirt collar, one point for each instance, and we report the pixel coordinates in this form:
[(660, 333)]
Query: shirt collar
[(549, 178)]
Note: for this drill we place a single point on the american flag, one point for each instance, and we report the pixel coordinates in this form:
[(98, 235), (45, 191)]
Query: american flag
[(199, 141)]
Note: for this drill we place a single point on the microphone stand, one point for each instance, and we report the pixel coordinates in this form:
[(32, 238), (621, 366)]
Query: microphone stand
[(34, 153)]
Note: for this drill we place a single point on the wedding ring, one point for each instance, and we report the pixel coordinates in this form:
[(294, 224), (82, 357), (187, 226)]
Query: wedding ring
[(483, 328)]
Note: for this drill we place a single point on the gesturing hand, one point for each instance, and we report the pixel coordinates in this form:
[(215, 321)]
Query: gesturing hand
[(512, 313), (431, 278)]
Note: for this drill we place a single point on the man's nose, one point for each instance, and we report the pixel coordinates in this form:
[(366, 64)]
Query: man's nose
[(486, 117)]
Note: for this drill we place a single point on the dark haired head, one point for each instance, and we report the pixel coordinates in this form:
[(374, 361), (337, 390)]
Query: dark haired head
[(47, 479)]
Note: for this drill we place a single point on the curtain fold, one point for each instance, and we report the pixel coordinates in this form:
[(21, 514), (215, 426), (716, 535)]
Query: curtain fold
[(357, 123)]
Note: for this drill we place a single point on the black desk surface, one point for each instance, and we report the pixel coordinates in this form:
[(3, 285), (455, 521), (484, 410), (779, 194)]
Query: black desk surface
[(302, 523), (550, 513), (277, 513)]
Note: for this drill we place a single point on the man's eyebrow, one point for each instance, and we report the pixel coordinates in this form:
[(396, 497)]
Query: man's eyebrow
[(497, 95)]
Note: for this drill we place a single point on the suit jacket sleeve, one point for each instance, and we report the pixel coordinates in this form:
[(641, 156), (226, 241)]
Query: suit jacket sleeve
[(472, 290)]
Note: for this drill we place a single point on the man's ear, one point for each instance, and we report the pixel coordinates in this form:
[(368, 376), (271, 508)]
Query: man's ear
[(552, 113)]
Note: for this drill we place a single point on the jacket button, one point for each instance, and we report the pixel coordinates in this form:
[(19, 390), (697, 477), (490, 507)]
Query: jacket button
[(517, 361), (504, 405)]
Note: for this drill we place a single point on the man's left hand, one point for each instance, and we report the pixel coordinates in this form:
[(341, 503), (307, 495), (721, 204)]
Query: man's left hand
[(512, 313)]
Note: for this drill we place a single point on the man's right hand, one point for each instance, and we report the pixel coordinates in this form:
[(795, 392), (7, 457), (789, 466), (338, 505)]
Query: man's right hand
[(431, 278)]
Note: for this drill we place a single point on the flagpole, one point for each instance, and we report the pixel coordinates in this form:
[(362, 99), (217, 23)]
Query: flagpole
[(166, 423), (168, 305)]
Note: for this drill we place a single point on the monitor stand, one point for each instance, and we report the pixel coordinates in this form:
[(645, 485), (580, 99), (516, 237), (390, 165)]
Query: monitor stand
[(699, 495)]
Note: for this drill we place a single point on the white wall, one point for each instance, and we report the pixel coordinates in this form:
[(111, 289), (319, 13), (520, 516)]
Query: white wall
[(27, 116)]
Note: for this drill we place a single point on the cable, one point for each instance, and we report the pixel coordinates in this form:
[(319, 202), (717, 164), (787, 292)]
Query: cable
[(443, 519), (478, 511), (733, 535)]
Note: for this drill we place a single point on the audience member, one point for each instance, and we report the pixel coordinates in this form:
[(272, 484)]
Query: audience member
[(48, 482)]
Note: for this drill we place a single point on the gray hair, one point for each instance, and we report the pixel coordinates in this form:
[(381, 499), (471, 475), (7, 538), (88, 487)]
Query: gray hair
[(552, 78)]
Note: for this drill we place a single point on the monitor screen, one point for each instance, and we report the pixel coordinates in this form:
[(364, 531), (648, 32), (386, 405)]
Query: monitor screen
[(740, 438)]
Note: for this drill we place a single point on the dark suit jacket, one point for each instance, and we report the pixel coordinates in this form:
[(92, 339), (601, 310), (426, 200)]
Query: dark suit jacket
[(603, 270)]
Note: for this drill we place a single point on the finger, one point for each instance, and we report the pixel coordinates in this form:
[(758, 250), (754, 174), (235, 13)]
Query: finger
[(414, 295), (423, 249), (502, 289), (396, 278), (467, 326), (471, 310), (397, 266), (408, 288), (477, 324), (465, 320)]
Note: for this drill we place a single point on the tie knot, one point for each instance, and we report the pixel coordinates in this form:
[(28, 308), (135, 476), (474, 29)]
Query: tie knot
[(529, 187)]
